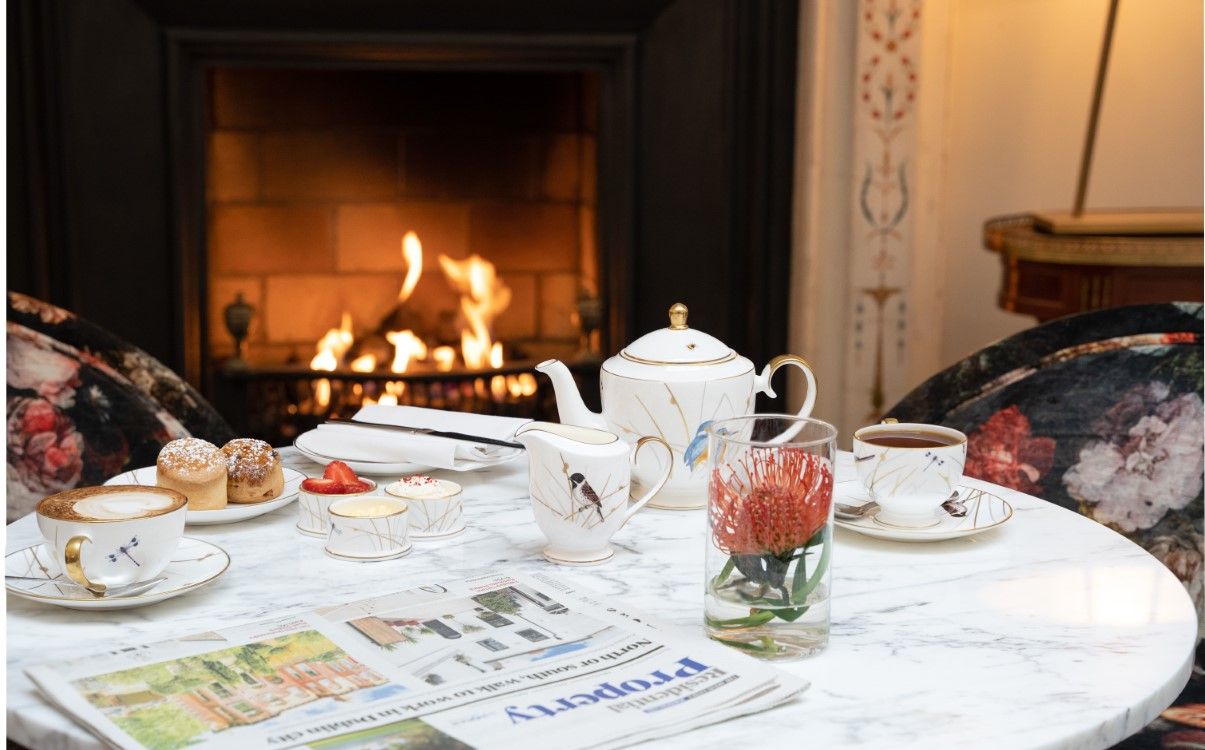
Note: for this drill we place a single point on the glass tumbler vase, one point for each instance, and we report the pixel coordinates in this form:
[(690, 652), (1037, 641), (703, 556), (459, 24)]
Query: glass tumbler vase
[(770, 532)]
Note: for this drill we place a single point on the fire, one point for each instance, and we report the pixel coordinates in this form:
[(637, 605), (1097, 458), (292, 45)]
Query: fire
[(333, 346), (412, 251), (406, 346), (322, 393), (445, 358), (482, 298)]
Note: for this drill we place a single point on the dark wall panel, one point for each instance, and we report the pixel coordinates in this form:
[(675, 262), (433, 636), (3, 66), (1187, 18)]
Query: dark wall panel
[(684, 207), (115, 172)]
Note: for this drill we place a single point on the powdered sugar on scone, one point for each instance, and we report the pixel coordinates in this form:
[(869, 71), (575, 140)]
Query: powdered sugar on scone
[(249, 460), (190, 454)]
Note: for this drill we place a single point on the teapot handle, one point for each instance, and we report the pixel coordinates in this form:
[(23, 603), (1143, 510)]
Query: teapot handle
[(762, 383), (669, 467)]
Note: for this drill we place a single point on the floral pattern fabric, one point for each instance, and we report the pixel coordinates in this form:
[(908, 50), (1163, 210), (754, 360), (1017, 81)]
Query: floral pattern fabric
[(84, 406), (1101, 413)]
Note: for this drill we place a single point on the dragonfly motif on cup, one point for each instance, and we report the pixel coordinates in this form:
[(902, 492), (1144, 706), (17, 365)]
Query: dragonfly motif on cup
[(125, 550)]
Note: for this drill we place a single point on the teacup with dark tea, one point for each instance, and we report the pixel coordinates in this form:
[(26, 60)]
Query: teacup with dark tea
[(910, 469)]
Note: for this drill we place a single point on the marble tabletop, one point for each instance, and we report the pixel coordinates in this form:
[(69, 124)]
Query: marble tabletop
[(1049, 632)]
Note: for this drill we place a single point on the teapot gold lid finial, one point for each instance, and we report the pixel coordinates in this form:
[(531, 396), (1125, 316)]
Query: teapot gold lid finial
[(677, 317)]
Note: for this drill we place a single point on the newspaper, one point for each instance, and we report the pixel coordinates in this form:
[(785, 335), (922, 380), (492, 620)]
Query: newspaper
[(496, 661)]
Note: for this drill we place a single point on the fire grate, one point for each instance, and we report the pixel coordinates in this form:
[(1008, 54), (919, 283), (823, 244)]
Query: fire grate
[(278, 404)]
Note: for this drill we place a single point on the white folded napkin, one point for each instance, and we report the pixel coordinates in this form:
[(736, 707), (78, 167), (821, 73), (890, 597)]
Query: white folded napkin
[(351, 443)]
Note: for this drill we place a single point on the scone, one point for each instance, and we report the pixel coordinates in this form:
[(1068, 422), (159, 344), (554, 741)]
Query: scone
[(195, 468), (253, 473)]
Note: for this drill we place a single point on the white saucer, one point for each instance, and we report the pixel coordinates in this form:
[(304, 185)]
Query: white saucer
[(195, 564), (420, 537), (370, 468), (578, 563), (349, 558), (233, 511), (984, 511)]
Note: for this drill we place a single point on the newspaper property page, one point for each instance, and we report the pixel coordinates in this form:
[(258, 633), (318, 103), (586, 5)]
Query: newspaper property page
[(495, 661)]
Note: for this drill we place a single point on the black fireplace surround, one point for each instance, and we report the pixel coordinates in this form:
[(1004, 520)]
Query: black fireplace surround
[(696, 143)]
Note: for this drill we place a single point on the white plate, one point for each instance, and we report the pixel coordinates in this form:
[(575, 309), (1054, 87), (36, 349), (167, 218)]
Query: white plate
[(233, 511), (984, 511), (370, 468), (195, 564)]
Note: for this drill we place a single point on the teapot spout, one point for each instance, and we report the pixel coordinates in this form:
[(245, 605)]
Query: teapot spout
[(569, 402)]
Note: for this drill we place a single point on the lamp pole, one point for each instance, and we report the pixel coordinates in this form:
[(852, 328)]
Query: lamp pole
[(1085, 165)]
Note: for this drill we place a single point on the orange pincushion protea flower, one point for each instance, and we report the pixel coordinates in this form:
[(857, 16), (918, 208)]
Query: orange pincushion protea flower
[(772, 502)]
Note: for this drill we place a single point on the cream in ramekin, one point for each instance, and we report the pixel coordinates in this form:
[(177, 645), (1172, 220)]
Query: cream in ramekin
[(372, 527), (436, 505)]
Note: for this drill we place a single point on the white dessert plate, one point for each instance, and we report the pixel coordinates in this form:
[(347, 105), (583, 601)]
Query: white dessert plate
[(233, 512), (369, 468), (195, 564), (984, 511)]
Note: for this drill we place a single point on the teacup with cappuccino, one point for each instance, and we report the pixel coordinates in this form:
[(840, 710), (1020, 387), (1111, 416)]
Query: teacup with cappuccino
[(101, 537)]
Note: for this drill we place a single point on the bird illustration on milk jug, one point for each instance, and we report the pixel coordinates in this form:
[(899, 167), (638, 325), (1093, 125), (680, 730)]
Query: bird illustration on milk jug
[(670, 383)]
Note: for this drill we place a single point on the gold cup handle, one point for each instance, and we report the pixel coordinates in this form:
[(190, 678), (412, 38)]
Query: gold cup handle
[(763, 380), (669, 467), (75, 567)]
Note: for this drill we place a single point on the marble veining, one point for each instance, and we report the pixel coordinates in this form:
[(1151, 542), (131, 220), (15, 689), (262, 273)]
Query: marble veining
[(1050, 631)]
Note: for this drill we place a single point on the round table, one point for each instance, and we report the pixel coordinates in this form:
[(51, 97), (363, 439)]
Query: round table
[(1050, 631)]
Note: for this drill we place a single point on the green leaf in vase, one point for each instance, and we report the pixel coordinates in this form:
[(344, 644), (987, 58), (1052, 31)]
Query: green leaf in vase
[(801, 593), (756, 617)]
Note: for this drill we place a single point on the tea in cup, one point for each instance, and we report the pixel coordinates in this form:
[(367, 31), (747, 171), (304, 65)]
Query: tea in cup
[(367, 528), (102, 537), (910, 469)]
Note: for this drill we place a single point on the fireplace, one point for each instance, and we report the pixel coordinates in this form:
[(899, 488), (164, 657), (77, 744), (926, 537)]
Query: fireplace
[(640, 153), (378, 194), (412, 236)]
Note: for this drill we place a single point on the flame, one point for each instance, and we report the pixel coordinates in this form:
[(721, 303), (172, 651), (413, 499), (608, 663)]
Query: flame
[(527, 384), (482, 298), (498, 387), (322, 393), (333, 345), (445, 358), (412, 251), (364, 363), (407, 346), (393, 391)]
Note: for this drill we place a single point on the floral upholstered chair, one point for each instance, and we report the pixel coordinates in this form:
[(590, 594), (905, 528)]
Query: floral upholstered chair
[(1100, 413), (83, 405)]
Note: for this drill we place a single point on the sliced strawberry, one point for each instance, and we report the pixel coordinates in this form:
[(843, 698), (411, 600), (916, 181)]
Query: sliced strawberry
[(324, 486), (340, 472), (321, 485)]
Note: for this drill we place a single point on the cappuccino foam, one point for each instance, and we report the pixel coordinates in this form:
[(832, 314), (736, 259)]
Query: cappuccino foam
[(108, 506), (114, 507)]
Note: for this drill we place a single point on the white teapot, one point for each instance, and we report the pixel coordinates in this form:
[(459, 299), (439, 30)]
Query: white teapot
[(671, 383)]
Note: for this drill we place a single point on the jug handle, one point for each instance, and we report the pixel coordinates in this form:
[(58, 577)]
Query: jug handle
[(669, 466), (762, 384)]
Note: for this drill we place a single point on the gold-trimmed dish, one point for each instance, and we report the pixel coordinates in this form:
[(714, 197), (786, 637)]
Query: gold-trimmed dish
[(233, 512), (195, 563), (984, 511)]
